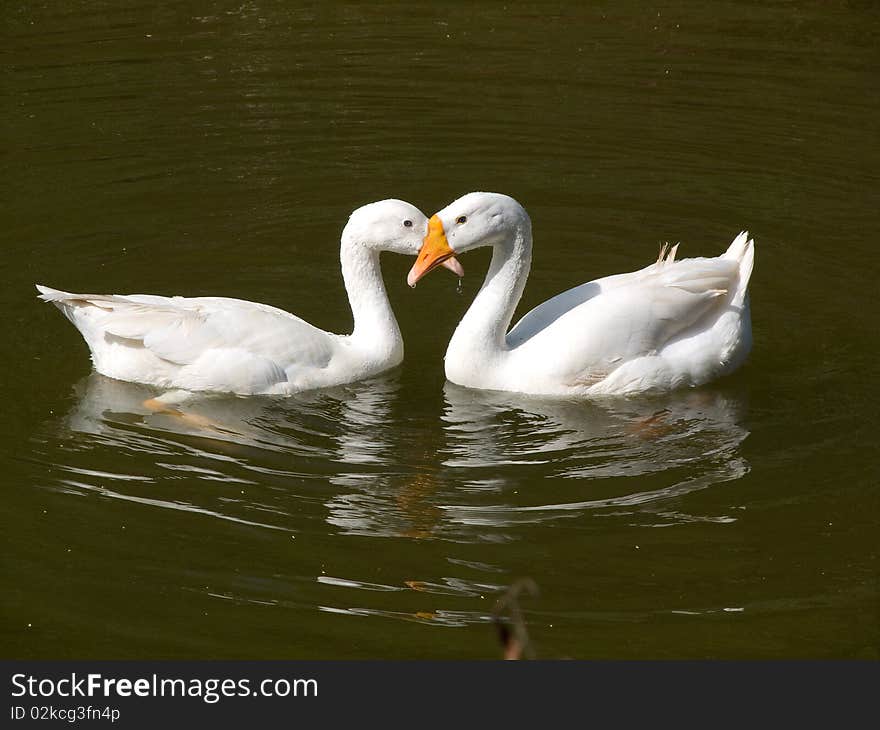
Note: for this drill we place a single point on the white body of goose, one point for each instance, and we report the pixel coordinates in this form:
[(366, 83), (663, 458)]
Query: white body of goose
[(236, 346), (671, 324)]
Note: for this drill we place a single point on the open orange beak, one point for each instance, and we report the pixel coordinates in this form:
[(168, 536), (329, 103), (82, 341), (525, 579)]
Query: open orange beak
[(435, 252)]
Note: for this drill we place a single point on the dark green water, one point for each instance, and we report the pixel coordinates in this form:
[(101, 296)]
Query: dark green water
[(150, 147)]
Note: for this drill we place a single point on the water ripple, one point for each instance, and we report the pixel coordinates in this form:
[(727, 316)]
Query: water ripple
[(491, 462)]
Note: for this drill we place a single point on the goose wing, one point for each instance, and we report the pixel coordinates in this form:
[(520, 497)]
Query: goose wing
[(592, 329), (182, 330)]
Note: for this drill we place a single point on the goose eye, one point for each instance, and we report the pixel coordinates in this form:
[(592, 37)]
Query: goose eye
[(461, 219), (408, 223)]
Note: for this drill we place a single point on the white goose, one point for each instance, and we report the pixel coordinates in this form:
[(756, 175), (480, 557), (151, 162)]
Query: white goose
[(236, 346), (671, 324)]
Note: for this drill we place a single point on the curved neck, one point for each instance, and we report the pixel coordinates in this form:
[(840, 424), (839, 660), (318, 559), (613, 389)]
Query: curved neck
[(375, 326), (483, 329)]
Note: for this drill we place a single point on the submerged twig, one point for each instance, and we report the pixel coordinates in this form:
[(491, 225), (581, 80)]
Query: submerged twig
[(512, 632)]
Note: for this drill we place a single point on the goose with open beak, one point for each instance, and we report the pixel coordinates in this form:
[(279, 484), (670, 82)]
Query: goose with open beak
[(668, 325)]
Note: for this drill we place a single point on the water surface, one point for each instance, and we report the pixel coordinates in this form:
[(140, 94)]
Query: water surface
[(160, 148)]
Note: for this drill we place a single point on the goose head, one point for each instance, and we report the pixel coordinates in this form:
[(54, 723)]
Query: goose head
[(390, 225), (472, 221)]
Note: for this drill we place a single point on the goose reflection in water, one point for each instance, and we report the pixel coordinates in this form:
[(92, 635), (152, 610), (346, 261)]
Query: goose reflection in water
[(313, 423), (491, 468), (393, 492), (501, 460), (492, 461), (285, 451), (614, 455)]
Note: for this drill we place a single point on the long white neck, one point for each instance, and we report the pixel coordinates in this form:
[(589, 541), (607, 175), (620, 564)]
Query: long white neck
[(375, 327), (480, 338)]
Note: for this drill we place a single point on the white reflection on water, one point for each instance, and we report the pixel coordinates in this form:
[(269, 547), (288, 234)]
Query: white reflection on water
[(268, 457), (109, 408), (504, 460), (487, 467), (488, 462), (604, 445)]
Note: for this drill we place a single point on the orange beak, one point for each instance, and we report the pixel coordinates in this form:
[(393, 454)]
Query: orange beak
[(435, 252)]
